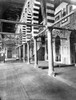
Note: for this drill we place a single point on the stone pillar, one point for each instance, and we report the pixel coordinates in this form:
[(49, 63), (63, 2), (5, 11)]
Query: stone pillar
[(35, 53), (28, 52), (50, 53), (45, 51), (54, 53), (6, 52), (24, 52), (19, 52)]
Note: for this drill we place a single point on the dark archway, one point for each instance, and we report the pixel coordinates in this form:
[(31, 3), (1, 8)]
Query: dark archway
[(57, 48), (73, 47)]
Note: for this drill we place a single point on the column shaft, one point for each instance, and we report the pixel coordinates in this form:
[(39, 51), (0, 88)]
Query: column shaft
[(20, 52), (35, 53), (45, 51), (17, 54), (28, 52), (24, 52), (50, 53)]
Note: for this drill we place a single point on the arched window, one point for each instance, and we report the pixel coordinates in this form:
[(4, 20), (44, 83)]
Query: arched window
[(57, 48)]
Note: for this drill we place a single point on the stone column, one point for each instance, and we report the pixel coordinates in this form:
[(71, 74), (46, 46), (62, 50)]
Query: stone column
[(50, 53), (35, 53), (28, 53), (19, 52), (24, 52), (6, 52), (45, 51)]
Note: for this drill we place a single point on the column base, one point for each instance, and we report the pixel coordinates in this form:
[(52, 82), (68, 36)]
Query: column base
[(20, 59), (24, 61), (35, 65), (52, 73), (28, 62), (75, 64)]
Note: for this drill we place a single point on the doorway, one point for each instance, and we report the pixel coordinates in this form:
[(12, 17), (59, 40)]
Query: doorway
[(9, 53)]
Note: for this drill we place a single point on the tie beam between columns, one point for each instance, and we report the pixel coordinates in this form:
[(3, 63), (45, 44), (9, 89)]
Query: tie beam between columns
[(59, 28), (37, 25), (21, 23)]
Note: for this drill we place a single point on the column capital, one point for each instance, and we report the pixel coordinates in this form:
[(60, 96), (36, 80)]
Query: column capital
[(28, 41), (23, 43), (35, 37), (50, 28)]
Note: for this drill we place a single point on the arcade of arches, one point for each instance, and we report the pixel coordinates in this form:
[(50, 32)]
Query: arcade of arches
[(63, 42), (64, 45)]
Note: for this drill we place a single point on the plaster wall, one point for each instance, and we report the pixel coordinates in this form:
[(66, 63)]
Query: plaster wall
[(64, 47)]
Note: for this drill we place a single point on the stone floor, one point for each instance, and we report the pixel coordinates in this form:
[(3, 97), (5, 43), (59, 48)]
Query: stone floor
[(64, 73), (20, 81)]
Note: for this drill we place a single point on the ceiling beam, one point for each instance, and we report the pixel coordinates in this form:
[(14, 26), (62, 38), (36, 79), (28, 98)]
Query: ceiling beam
[(21, 23), (8, 33), (53, 26)]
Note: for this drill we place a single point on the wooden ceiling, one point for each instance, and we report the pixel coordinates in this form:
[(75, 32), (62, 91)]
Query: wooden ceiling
[(6, 3), (11, 10)]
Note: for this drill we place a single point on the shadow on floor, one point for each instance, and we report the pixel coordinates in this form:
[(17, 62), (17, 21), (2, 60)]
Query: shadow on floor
[(57, 66)]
